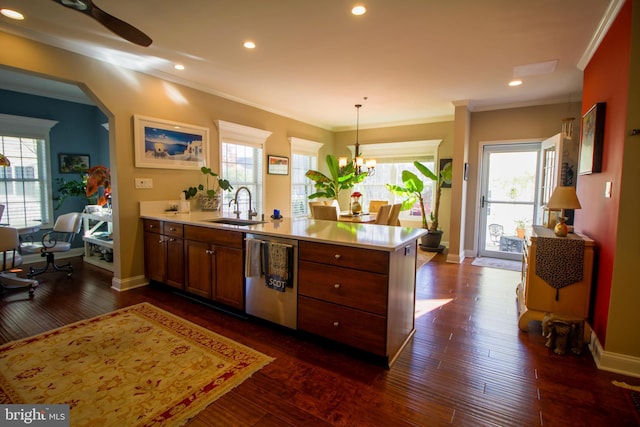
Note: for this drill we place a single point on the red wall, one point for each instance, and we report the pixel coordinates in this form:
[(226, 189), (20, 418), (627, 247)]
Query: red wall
[(606, 79)]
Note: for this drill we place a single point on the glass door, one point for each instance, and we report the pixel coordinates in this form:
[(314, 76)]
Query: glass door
[(509, 198)]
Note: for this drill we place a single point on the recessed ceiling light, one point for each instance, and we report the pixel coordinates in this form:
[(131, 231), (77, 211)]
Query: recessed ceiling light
[(13, 14), (179, 67), (249, 44), (359, 9), (515, 82)]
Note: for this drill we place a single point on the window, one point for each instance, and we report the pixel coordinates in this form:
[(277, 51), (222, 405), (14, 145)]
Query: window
[(25, 188), (392, 159), (304, 157), (242, 164)]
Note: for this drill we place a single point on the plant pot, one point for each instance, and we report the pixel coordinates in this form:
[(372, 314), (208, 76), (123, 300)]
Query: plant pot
[(431, 241), (210, 203)]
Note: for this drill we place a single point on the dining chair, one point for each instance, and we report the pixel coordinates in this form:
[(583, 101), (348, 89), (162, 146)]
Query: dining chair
[(10, 259), (59, 239), (374, 205), (394, 213), (312, 204), (382, 217), (325, 212)]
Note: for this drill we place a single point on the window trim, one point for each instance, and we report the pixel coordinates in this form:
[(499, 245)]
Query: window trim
[(33, 128), (303, 147), (234, 133)]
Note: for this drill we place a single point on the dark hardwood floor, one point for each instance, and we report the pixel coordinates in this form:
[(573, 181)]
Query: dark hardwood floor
[(468, 364)]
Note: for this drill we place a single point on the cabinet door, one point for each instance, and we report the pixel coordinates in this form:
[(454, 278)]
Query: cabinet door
[(199, 268), (155, 257), (229, 285), (175, 262)]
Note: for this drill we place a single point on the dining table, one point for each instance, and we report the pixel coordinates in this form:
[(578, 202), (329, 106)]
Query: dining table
[(365, 218)]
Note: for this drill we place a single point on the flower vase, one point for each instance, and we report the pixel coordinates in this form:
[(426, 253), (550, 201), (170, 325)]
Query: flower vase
[(356, 207)]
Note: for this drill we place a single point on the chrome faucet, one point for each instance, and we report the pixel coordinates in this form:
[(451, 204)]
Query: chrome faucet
[(251, 212)]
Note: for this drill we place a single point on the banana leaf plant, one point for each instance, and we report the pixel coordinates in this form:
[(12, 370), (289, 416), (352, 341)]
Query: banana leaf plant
[(329, 187), (413, 188)]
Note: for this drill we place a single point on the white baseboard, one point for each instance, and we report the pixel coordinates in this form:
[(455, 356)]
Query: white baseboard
[(613, 362), (129, 283)]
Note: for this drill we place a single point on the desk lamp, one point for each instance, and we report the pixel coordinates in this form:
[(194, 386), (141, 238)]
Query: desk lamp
[(563, 198)]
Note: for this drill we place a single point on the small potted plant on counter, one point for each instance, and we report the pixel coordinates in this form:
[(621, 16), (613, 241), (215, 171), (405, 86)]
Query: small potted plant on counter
[(209, 195)]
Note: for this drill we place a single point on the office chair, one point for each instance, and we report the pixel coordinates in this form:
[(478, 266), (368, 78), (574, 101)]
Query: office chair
[(10, 259), (57, 240)]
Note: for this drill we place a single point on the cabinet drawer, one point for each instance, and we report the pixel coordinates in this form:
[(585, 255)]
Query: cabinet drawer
[(152, 225), (173, 229), (213, 235), (357, 289), (344, 256), (356, 328)]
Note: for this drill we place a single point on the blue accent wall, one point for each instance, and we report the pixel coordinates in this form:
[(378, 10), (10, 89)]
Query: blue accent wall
[(79, 131)]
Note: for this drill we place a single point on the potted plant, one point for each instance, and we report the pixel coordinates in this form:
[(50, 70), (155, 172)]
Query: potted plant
[(412, 189), (340, 179), (209, 195), (521, 224)]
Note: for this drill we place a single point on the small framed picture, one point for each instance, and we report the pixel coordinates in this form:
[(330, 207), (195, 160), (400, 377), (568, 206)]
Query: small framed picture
[(277, 165), (73, 163), (592, 140)]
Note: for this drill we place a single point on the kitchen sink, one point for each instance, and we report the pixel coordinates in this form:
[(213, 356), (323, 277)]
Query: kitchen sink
[(235, 221)]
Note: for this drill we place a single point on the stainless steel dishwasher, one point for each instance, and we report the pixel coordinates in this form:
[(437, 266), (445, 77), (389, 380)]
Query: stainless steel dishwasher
[(266, 303)]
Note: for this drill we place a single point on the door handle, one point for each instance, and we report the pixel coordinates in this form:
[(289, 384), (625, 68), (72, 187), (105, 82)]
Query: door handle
[(482, 202)]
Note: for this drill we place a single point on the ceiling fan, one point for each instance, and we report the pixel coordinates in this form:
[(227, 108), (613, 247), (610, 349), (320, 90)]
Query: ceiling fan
[(121, 28)]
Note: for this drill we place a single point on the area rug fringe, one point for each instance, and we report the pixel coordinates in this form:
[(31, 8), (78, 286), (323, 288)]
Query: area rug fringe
[(135, 366)]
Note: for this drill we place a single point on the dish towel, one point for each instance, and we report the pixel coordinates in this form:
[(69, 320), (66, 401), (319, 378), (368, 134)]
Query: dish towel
[(278, 261), (253, 262)]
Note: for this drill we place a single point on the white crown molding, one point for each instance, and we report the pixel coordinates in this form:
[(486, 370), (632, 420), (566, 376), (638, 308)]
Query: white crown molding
[(601, 31)]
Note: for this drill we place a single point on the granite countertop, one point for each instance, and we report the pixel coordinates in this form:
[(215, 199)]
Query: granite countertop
[(370, 236)]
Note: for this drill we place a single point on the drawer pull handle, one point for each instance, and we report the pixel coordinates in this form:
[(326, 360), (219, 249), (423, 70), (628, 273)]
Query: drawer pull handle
[(210, 252), (337, 285), (336, 324), (172, 229), (161, 241), (151, 226), (337, 256)]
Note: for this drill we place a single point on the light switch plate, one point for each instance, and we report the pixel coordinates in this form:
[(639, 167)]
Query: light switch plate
[(607, 189), (144, 183)]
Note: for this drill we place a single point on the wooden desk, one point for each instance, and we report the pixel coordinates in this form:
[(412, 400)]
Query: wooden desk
[(367, 218)]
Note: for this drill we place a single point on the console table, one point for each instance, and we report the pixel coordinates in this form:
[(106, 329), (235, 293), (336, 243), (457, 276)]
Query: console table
[(536, 296)]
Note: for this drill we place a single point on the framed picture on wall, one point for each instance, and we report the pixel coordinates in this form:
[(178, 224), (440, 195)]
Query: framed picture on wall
[(169, 145), (73, 163), (277, 165), (592, 140)]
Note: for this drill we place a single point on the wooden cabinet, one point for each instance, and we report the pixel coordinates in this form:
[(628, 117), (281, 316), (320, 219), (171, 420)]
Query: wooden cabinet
[(164, 252), (360, 297), (214, 263), (537, 297)]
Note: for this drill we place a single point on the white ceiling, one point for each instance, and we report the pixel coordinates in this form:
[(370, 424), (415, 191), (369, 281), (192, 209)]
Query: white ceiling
[(412, 59)]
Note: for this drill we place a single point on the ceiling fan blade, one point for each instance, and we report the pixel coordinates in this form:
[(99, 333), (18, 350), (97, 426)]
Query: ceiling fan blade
[(119, 27)]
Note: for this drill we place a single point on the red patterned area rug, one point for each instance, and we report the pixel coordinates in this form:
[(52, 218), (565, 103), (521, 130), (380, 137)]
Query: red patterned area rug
[(137, 366)]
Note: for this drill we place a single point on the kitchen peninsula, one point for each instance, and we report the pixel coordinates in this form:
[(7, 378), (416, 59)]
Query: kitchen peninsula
[(355, 282)]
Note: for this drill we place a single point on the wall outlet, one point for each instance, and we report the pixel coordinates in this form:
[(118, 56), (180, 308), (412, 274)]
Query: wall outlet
[(607, 189), (144, 183)]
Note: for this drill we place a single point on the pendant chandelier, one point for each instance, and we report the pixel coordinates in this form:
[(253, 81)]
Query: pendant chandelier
[(567, 127), (360, 166)]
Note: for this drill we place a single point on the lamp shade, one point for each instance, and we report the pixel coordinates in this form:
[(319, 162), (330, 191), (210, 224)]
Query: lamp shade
[(564, 198)]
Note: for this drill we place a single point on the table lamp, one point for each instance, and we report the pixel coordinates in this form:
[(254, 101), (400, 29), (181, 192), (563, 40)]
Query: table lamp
[(563, 198)]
